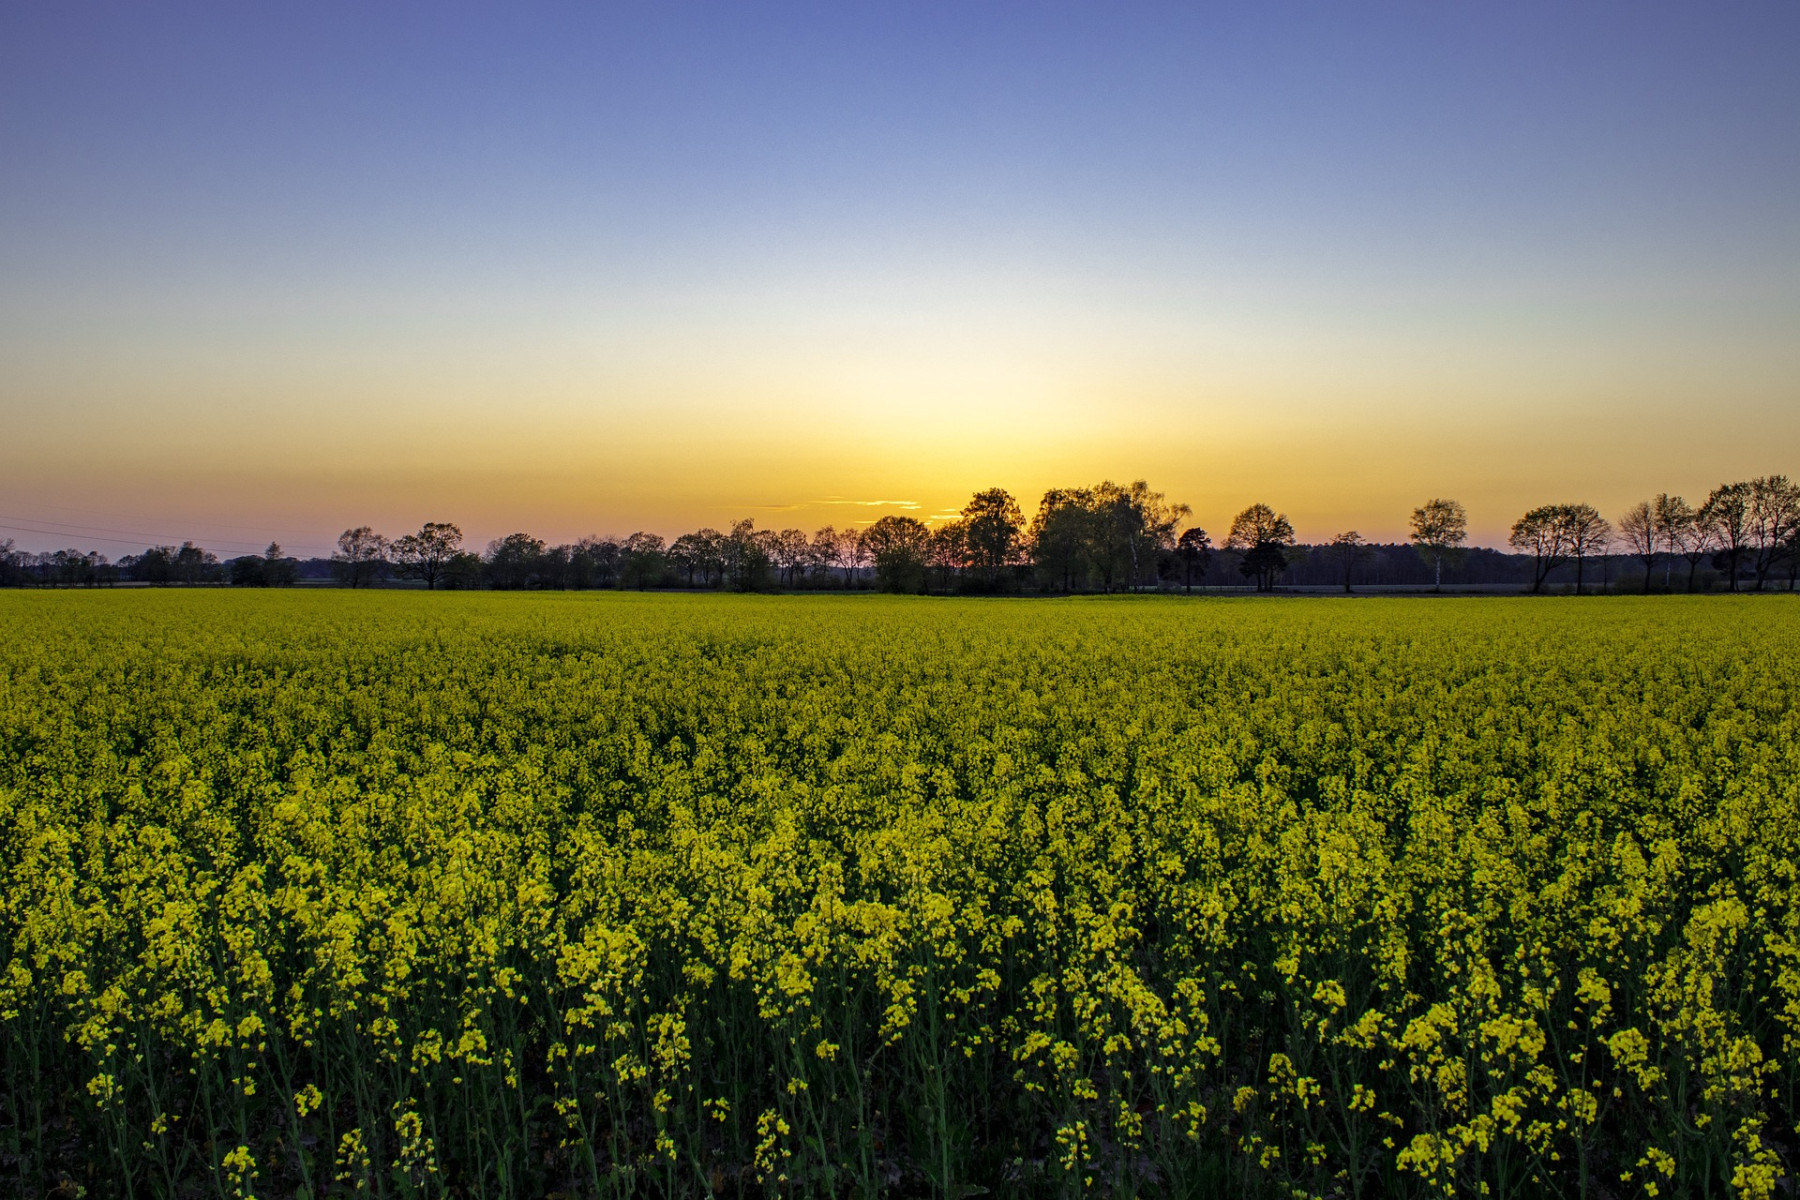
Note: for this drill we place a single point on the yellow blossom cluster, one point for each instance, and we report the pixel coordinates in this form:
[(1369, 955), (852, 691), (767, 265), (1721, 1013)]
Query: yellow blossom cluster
[(489, 895)]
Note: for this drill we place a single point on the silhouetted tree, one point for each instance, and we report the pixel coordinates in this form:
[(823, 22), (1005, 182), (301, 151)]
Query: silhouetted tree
[(789, 552), (947, 552), (1642, 536), (745, 557), (1346, 552), (993, 530), (361, 554), (422, 555), (899, 546), (12, 565), (1060, 534), (1682, 533), (594, 563), (278, 569), (155, 566), (1543, 533), (1589, 534), (1726, 516), (247, 571), (687, 555), (1773, 517), (831, 551), (1262, 536), (1439, 528), (464, 572), (512, 561), (1194, 550), (195, 565), (641, 560)]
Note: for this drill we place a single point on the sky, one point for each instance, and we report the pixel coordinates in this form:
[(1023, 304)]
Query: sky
[(276, 270)]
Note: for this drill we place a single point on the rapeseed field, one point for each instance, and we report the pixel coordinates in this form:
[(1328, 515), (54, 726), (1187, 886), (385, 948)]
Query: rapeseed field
[(477, 895)]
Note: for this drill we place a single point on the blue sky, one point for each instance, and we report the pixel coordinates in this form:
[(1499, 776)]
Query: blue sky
[(582, 267)]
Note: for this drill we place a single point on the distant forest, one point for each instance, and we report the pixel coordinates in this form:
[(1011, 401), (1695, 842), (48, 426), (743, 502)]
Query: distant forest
[(1105, 538)]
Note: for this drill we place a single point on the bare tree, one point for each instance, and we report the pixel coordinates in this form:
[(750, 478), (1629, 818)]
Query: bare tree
[(1726, 516), (686, 554), (1674, 529), (361, 553), (1439, 528), (1642, 535), (857, 553), (948, 551), (711, 551), (1544, 534), (423, 555), (1774, 515), (1684, 534), (1589, 534), (789, 550), (827, 552), (1347, 551)]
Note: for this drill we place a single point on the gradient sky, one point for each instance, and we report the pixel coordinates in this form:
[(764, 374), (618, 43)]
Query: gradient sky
[(272, 270)]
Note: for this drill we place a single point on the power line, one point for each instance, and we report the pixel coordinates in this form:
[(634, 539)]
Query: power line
[(117, 537)]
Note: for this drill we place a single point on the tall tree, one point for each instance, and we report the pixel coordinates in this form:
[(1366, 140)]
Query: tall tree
[(1588, 534), (1726, 516), (790, 550), (193, 564), (1263, 538), (857, 553), (1674, 520), (830, 551), (1060, 533), (687, 554), (600, 560), (1683, 533), (1155, 519), (156, 566), (641, 559), (278, 569), (1543, 533), (512, 561), (744, 557), (1773, 517), (422, 555), (1641, 533), (247, 571), (947, 553), (1129, 528), (1194, 549), (899, 546), (361, 553), (1439, 528), (1346, 551), (993, 529)]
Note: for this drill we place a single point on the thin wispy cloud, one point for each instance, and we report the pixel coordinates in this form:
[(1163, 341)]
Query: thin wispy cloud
[(873, 503)]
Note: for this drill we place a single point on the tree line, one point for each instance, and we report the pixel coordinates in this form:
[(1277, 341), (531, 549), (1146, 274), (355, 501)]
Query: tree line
[(1104, 538)]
